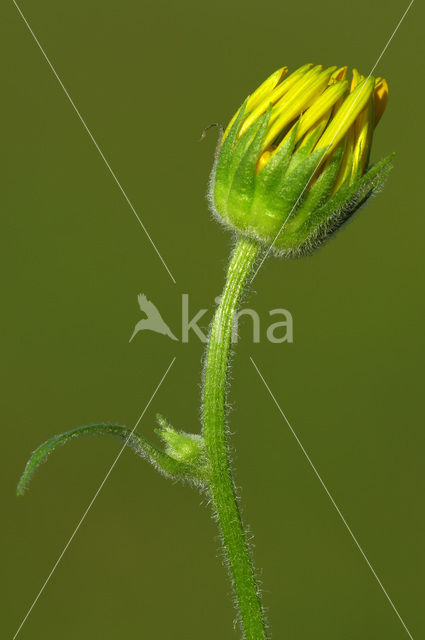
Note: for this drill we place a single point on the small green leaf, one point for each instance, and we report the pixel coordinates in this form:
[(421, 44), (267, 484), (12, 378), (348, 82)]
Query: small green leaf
[(161, 460), (186, 448)]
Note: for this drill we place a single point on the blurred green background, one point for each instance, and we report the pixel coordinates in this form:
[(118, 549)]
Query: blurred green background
[(148, 77)]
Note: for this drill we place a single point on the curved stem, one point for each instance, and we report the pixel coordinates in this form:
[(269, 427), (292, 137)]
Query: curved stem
[(222, 487)]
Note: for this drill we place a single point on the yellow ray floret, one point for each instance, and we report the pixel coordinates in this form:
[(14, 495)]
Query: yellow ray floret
[(352, 106), (345, 170), (296, 101), (259, 94), (363, 132), (356, 79), (380, 98), (280, 90), (321, 106), (312, 136), (339, 74), (265, 89)]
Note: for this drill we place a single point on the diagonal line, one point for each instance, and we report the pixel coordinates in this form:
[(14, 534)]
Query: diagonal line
[(347, 526), (130, 204), (336, 133), (92, 501)]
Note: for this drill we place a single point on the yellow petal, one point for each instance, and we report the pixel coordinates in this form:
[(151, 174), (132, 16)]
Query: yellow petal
[(320, 106), (296, 101), (282, 88), (265, 89), (315, 132), (338, 75), (380, 97), (352, 106), (339, 102), (363, 133), (357, 78), (259, 94), (347, 159)]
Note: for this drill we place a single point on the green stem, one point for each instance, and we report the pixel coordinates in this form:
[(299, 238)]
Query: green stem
[(222, 487)]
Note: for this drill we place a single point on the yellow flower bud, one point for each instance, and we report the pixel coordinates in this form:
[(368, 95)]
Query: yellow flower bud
[(296, 154)]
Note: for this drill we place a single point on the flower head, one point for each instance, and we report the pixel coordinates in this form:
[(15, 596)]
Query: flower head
[(293, 163)]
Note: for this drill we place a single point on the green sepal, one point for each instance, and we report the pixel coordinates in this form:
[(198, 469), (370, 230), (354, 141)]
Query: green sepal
[(347, 199), (307, 147), (298, 157), (240, 149), (243, 185), (325, 220), (221, 181), (286, 199), (321, 189), (269, 179), (161, 460)]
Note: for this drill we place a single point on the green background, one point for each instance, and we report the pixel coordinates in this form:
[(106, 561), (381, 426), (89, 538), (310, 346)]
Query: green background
[(148, 77)]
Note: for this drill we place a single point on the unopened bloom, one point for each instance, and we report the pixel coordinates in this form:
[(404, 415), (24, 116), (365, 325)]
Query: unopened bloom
[(293, 163)]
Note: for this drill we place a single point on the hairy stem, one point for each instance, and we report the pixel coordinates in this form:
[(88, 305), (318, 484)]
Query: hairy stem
[(222, 487)]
